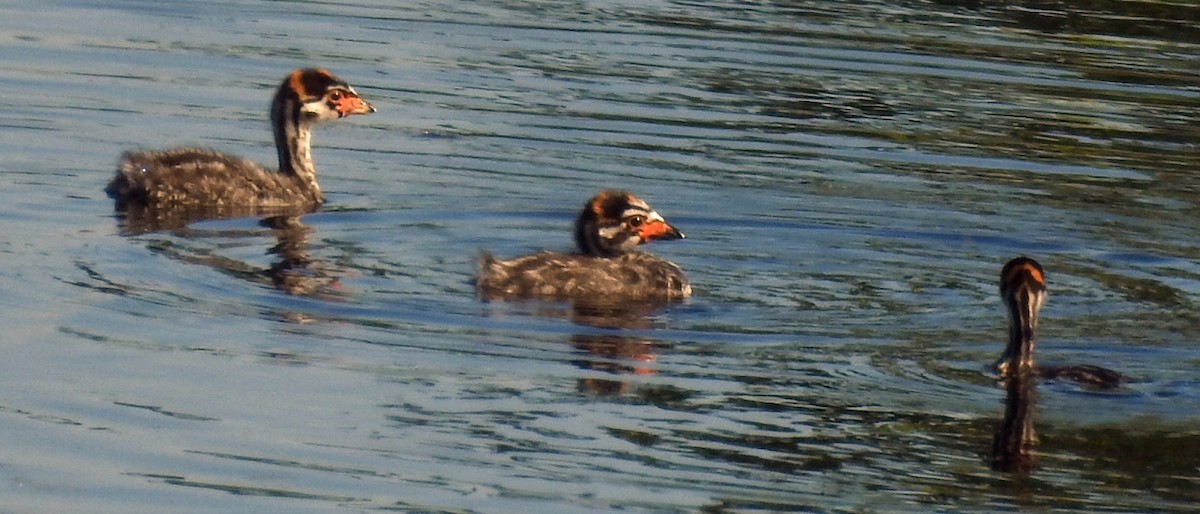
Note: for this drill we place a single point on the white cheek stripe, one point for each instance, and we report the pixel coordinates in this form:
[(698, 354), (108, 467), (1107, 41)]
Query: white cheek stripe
[(610, 232), (1029, 305), (313, 107), (1033, 304)]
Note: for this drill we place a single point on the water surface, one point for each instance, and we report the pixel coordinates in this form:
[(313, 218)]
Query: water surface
[(850, 177)]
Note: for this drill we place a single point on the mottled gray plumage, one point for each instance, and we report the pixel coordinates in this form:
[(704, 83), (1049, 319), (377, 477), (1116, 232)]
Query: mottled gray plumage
[(190, 178), (184, 177), (608, 268), (632, 276)]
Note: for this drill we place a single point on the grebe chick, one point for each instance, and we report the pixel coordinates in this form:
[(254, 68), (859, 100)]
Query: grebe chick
[(608, 267), (1023, 287), (189, 178)]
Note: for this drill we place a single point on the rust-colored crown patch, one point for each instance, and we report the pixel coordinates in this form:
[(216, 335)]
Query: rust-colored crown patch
[(311, 83), (1022, 269)]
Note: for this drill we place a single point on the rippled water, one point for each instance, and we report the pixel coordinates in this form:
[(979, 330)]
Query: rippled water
[(851, 178)]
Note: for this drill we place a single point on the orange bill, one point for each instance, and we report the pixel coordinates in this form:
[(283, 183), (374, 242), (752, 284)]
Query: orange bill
[(352, 104), (656, 229)]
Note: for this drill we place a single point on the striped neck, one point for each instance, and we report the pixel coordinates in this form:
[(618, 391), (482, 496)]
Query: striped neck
[(1023, 287), (293, 136), (587, 238), (1022, 329)]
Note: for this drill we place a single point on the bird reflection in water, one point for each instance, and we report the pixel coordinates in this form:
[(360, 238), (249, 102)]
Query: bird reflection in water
[(293, 271), (607, 347), (1023, 288), (297, 271), (146, 219), (615, 354), (1015, 438)]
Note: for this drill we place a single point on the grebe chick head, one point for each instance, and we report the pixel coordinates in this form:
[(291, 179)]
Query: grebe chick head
[(1023, 288), (616, 222), (314, 94), (307, 97)]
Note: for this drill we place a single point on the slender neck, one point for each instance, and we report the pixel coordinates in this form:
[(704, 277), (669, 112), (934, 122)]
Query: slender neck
[(1020, 343), (293, 135), (1023, 316)]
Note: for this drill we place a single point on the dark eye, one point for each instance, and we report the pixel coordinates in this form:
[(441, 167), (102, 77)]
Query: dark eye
[(335, 96), (636, 221)]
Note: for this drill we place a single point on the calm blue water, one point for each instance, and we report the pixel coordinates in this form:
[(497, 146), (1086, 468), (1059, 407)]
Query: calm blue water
[(850, 177)]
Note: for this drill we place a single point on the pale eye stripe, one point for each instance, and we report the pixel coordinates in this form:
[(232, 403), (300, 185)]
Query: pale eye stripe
[(635, 210)]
